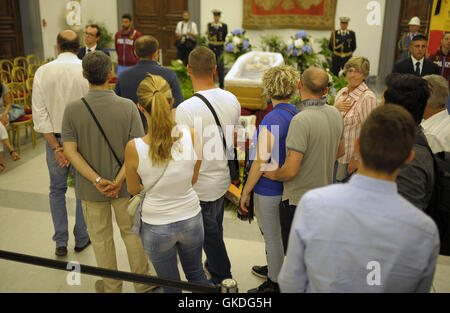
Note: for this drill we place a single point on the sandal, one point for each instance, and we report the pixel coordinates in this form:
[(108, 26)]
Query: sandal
[(2, 167), (14, 155)]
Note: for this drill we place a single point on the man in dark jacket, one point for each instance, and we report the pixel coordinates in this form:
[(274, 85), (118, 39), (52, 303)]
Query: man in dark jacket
[(415, 181), (417, 64), (91, 38), (128, 83)]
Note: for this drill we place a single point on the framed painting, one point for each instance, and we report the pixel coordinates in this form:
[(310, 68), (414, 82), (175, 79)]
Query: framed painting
[(299, 14)]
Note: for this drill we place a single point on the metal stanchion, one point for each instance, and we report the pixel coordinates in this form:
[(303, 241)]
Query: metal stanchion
[(229, 286)]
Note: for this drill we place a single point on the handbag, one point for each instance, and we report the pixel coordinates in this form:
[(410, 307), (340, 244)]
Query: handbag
[(233, 163), (15, 112)]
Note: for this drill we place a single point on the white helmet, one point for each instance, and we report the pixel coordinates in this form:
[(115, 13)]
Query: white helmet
[(414, 21)]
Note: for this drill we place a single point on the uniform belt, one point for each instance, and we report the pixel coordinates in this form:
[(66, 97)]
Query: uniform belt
[(217, 43), (343, 54)]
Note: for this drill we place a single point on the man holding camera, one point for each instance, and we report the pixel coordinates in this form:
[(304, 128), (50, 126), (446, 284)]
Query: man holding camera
[(186, 33)]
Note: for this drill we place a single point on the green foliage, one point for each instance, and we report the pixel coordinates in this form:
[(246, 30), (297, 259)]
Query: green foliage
[(272, 43), (183, 76), (106, 39), (202, 40)]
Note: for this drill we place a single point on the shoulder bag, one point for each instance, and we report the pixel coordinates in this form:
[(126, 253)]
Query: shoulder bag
[(233, 163)]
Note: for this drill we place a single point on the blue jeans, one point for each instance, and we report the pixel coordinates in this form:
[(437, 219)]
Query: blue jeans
[(217, 261), (58, 188), (162, 242)]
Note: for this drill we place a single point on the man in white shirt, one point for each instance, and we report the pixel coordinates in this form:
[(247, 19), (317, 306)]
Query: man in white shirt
[(55, 85), (214, 177), (436, 123), (186, 33)]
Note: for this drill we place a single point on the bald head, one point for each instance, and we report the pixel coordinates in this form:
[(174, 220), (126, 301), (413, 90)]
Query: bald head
[(146, 46), (67, 41), (315, 81)]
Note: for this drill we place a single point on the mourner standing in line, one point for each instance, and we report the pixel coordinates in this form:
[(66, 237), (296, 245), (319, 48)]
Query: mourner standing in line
[(342, 44), (217, 32)]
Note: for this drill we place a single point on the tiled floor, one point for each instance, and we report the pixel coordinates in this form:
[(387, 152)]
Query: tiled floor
[(26, 227)]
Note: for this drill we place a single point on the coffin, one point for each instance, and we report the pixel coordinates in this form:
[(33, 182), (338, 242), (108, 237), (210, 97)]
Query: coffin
[(244, 80)]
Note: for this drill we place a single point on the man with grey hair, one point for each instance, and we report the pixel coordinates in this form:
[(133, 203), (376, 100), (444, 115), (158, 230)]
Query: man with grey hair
[(312, 144), (436, 122), (98, 157), (55, 85)]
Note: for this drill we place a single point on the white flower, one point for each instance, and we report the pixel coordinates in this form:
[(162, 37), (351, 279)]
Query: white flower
[(299, 43), (290, 42), (237, 41)]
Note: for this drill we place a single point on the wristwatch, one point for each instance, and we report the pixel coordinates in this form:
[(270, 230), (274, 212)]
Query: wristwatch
[(97, 180)]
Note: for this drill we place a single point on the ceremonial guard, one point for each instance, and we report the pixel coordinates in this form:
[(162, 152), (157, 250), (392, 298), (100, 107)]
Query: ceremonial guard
[(217, 32), (406, 40), (342, 44)]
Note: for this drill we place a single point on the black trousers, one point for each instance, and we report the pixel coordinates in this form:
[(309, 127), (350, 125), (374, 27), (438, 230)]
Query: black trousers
[(183, 53), (218, 50), (338, 64), (286, 217)]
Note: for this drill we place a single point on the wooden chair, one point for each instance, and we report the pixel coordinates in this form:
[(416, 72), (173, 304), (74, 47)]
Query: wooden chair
[(33, 59), (25, 123), (32, 68), (5, 77), (21, 62), (6, 65), (18, 93), (19, 75), (29, 88)]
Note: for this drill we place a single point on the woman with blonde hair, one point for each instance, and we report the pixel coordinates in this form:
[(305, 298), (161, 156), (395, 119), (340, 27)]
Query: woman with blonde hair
[(280, 84), (166, 163), (355, 102)]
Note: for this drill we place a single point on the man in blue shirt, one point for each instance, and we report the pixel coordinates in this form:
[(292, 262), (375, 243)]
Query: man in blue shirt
[(363, 236), (129, 80)]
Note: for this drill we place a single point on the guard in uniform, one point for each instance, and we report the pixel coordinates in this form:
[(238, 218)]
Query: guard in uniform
[(406, 40), (342, 44), (216, 35)]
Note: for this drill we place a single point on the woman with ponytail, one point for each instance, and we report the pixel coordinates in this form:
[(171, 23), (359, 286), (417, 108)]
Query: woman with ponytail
[(166, 163)]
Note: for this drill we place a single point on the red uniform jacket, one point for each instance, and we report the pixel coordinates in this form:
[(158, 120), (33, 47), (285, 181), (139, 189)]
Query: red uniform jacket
[(443, 61), (125, 47)]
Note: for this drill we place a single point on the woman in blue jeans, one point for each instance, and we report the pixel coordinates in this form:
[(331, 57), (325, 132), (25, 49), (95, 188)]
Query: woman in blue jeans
[(166, 163), (279, 83)]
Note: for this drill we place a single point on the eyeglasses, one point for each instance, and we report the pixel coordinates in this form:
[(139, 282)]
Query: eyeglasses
[(352, 71), (90, 34)]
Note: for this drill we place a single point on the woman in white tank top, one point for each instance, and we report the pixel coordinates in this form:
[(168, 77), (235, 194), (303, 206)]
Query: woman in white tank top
[(165, 161)]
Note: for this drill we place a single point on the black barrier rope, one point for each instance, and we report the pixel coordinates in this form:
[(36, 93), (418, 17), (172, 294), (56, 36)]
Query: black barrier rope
[(96, 271)]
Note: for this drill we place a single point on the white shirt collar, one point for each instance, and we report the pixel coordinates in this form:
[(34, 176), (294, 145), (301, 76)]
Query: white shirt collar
[(415, 61), (92, 49)]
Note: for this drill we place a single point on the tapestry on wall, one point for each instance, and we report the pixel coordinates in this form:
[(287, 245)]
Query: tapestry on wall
[(299, 14)]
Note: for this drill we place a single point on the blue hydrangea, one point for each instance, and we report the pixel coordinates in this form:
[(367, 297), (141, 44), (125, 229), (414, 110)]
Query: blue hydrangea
[(307, 49), (289, 48), (229, 47), (245, 44), (301, 34), (237, 32), (295, 52)]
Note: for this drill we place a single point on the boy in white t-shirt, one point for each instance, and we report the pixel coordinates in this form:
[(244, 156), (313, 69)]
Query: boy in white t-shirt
[(214, 177)]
